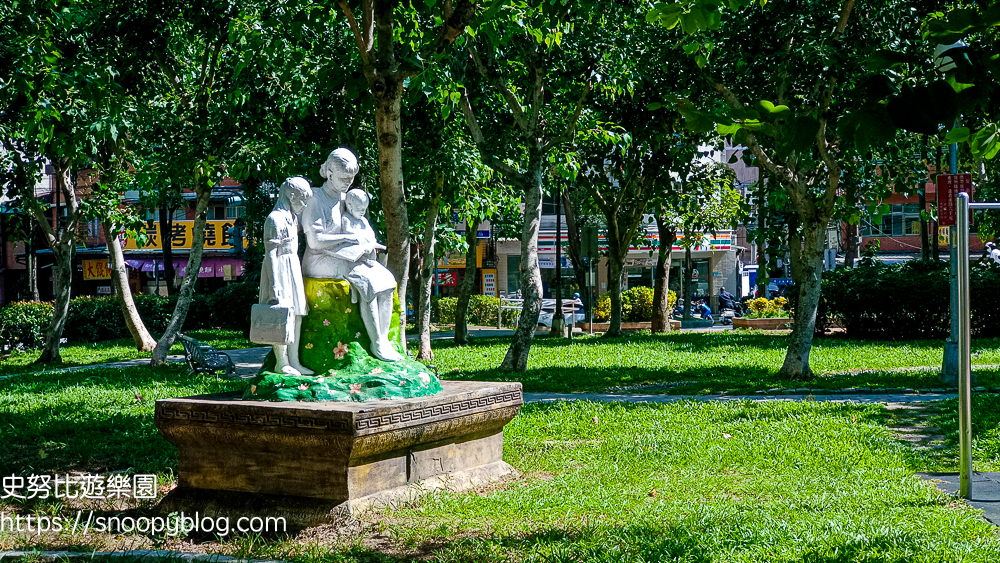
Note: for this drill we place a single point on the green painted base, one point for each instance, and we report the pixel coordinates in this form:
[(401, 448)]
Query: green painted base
[(334, 343)]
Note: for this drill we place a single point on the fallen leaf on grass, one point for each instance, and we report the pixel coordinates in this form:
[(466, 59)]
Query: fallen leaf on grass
[(653, 493), (727, 436)]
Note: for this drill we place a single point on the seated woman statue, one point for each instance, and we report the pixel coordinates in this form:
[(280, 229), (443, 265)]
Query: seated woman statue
[(341, 245)]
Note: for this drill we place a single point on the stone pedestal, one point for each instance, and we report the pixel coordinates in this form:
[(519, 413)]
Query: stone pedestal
[(316, 460)]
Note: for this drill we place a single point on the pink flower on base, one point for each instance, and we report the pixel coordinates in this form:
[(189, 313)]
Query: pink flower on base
[(326, 322), (355, 388), (340, 350), (347, 311), (303, 387), (375, 371), (357, 335)]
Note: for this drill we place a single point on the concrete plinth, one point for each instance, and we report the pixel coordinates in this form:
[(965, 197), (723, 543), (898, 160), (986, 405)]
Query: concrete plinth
[(316, 460)]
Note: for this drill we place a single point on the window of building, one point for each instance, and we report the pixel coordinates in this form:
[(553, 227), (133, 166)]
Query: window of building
[(513, 274), (235, 211), (902, 220), (154, 215)]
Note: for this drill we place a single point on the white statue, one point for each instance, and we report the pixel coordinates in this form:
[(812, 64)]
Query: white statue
[(342, 245), (281, 275)]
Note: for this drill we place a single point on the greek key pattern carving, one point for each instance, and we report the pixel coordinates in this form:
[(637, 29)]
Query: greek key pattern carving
[(250, 419), (449, 409)]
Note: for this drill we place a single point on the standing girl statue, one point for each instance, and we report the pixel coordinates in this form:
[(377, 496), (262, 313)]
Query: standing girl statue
[(281, 276)]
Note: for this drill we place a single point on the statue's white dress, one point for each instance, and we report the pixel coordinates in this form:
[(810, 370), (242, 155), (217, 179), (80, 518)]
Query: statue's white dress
[(283, 281)]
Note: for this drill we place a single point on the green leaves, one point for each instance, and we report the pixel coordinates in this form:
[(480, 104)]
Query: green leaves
[(957, 135), (772, 109), (986, 142), (922, 109)]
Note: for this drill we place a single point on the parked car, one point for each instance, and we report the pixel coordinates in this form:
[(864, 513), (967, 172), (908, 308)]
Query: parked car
[(549, 309)]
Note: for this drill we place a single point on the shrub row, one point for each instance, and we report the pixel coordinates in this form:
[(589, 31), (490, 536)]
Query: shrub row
[(637, 305), (93, 319), (909, 299), (482, 311)]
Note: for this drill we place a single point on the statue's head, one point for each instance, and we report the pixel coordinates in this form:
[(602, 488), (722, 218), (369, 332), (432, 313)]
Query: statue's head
[(339, 170), (296, 192), (357, 201)]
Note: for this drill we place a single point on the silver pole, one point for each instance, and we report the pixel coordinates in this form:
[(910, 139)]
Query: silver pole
[(964, 357)]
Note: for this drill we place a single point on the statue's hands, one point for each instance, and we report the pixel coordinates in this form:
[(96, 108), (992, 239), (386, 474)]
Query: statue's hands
[(272, 301)]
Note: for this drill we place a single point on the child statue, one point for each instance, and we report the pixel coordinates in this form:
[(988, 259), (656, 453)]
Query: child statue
[(370, 281), (281, 285)]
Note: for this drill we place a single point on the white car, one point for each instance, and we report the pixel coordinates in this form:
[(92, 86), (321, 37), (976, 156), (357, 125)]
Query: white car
[(549, 309)]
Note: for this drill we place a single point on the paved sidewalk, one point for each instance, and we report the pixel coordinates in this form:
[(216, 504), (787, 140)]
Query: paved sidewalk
[(985, 491)]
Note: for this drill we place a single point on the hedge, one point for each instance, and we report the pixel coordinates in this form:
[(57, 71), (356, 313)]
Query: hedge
[(909, 299), (482, 311), (93, 319), (637, 305)]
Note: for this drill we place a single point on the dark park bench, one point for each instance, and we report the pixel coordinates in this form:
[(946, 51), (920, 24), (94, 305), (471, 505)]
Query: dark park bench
[(202, 358)]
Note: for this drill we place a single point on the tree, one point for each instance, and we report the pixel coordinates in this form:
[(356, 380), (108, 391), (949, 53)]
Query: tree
[(792, 108), (105, 204), (63, 100), (486, 199), (189, 120), (528, 76), (388, 50), (623, 170)]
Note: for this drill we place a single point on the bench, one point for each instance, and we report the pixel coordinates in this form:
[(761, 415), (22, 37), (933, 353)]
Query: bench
[(202, 358)]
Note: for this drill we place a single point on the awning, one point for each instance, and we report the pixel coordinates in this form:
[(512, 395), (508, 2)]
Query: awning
[(211, 267)]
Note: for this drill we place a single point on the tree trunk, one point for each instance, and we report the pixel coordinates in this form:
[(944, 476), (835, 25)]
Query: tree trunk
[(144, 342), (424, 352), (796, 364), (62, 241), (387, 90), (925, 243), (852, 244), (166, 240), (468, 285), (186, 293), (761, 248), (661, 287), (32, 263), (576, 251), (688, 305), (62, 266), (516, 358), (615, 290)]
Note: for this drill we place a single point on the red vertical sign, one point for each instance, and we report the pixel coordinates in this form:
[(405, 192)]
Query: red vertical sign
[(949, 185)]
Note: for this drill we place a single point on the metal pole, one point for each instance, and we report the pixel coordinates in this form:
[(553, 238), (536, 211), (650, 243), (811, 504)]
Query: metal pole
[(590, 292), (964, 357)]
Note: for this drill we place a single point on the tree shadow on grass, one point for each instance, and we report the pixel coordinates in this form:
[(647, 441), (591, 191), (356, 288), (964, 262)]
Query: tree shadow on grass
[(72, 438), (667, 380), (96, 421), (701, 341)]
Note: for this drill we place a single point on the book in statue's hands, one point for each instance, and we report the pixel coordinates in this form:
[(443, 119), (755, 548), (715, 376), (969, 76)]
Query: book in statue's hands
[(351, 252)]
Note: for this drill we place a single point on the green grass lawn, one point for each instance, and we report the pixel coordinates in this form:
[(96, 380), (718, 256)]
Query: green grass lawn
[(691, 362), (685, 481), (115, 351)]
